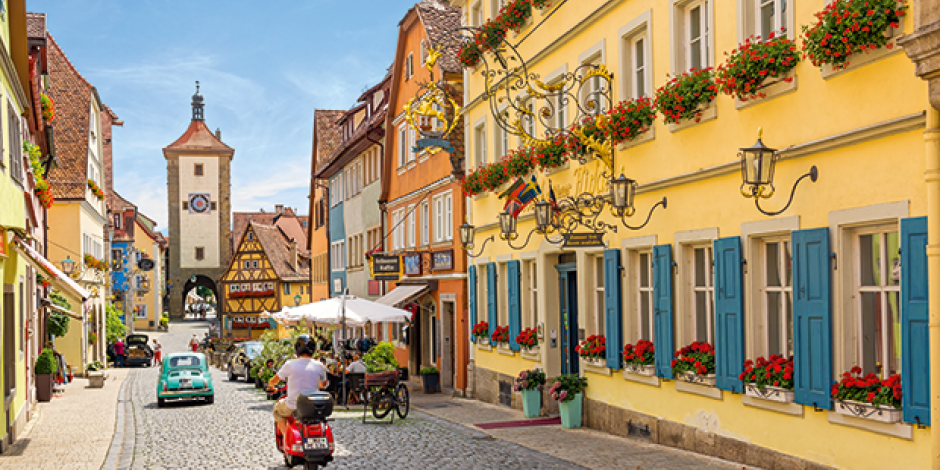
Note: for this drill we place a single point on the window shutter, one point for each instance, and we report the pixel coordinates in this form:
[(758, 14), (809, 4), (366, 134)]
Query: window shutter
[(491, 296), (472, 296), (915, 345), (613, 307), (515, 308), (662, 294), (812, 312), (729, 313)]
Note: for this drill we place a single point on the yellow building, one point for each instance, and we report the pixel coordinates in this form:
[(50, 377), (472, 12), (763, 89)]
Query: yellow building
[(266, 274), (148, 286), (837, 280)]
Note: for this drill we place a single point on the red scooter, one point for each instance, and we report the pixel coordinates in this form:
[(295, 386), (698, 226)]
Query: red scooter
[(309, 439)]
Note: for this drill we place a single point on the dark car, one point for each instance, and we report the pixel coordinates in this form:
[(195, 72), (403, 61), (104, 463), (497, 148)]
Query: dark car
[(138, 351), (239, 362)]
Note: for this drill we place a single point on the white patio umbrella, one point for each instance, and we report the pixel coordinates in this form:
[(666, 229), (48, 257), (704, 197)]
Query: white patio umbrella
[(357, 311)]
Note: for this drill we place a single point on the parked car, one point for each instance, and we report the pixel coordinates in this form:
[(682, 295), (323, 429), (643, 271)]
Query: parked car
[(185, 376), (138, 351), (239, 362)]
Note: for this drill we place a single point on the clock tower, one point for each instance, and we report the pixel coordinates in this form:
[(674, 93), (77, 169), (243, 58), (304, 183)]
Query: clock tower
[(198, 169)]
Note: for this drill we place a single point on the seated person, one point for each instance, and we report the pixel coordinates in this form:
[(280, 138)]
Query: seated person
[(357, 367)]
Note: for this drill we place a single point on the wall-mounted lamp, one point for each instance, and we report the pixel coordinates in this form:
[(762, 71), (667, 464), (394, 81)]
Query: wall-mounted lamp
[(757, 172)]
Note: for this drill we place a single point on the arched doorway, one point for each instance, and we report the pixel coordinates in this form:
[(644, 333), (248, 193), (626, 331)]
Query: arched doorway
[(200, 292)]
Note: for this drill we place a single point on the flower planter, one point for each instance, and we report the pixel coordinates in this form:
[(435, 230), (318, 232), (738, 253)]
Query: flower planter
[(482, 341), (431, 382), (96, 378), (693, 378), (595, 362), (532, 403), (570, 412), (646, 371), (44, 387), (857, 409), (776, 394)]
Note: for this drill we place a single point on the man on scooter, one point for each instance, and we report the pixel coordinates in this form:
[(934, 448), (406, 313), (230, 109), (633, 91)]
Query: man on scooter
[(302, 373)]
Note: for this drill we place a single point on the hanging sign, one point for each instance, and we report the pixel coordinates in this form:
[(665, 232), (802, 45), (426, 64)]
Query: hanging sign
[(433, 145), (584, 240), (412, 264), (386, 268), (442, 260)]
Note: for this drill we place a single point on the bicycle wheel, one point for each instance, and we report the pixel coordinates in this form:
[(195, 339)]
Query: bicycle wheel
[(403, 399), (382, 404)]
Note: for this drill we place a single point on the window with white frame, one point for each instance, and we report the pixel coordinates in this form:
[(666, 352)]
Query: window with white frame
[(140, 311), (476, 14), (402, 145), (411, 226), (561, 109), (694, 35), (409, 66), (877, 300), (597, 291), (496, 6), (531, 294), (398, 239), (425, 223), (479, 144), (411, 144), (771, 17), (338, 255), (16, 146), (592, 92), (644, 294), (635, 62), (702, 293), (528, 120), (777, 296), (443, 217), (286, 288)]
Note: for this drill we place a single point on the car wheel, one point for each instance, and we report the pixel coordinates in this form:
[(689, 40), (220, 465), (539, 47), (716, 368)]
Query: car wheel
[(210, 399), (231, 374), (161, 402)]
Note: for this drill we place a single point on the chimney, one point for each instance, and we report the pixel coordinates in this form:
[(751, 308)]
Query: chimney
[(293, 255), (218, 133), (278, 209)]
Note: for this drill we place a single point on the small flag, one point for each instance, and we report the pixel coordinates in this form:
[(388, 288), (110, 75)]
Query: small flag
[(551, 197), (522, 195)]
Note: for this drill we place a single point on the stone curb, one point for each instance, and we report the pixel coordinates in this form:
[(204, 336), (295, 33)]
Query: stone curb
[(121, 452)]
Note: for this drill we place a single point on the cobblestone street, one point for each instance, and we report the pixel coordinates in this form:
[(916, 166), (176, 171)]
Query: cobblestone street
[(237, 431)]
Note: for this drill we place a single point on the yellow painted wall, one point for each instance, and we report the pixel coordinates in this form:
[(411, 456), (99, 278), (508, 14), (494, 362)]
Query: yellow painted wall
[(146, 245), (869, 170)]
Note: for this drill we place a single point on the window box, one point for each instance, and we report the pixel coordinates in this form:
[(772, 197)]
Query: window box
[(484, 345), (709, 112), (693, 378), (857, 409), (596, 366), (503, 348), (772, 89), (532, 354), (777, 394), (636, 369), (594, 361)]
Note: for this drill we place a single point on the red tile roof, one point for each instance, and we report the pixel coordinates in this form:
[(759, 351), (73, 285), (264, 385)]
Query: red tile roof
[(327, 135), (36, 25), (277, 248), (438, 19), (72, 95), (198, 138)]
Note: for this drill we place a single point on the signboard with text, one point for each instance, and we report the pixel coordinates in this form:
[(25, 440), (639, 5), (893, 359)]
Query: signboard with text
[(442, 260), (584, 240), (386, 268)]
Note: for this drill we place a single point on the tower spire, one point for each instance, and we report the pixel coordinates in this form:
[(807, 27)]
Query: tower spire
[(198, 105)]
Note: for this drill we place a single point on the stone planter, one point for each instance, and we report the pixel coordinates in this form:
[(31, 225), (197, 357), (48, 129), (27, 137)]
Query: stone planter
[(636, 369), (570, 412), (96, 378), (857, 409), (532, 403), (777, 394), (693, 378)]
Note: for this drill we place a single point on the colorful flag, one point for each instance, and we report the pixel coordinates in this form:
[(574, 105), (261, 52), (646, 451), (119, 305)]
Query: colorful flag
[(551, 197), (520, 195)]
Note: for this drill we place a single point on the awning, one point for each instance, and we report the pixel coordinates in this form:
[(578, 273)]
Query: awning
[(65, 311), (40, 263), (403, 293)]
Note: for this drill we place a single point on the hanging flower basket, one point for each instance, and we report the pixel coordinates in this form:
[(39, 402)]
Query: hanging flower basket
[(756, 63), (686, 96), (847, 27)]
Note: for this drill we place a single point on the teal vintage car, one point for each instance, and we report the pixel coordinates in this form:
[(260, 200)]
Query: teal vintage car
[(185, 376)]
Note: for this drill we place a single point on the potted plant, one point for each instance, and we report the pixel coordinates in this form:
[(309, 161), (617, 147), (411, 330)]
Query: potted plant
[(481, 333), (593, 350), (500, 336), (44, 368), (528, 340), (431, 379), (96, 374), (769, 379), (639, 359), (847, 27), (695, 363), (530, 383), (567, 391), (868, 397)]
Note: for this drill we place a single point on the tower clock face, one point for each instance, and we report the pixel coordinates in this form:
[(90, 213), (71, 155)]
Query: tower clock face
[(199, 203)]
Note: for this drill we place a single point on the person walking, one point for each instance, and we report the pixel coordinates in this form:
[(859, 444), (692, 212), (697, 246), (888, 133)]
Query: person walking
[(194, 343), (119, 352), (157, 353)]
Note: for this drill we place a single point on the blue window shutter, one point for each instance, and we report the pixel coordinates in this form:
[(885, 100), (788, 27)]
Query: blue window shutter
[(515, 309), (729, 313), (662, 323), (613, 308), (915, 347), (472, 296), (491, 296), (812, 311)]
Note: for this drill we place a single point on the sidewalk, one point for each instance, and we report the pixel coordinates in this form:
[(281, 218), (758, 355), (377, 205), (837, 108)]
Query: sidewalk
[(73, 431), (584, 447)]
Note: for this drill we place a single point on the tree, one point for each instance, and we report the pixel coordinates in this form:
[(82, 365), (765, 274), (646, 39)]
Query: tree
[(114, 328)]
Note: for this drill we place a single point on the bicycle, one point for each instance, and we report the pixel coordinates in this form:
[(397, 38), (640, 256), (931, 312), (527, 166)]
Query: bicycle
[(387, 393)]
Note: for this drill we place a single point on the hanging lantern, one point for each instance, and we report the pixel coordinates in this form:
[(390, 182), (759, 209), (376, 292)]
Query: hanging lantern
[(757, 168)]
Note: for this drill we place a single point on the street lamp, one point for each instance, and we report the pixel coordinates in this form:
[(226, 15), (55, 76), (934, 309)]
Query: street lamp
[(68, 266), (543, 216), (507, 226), (757, 174), (467, 233), (622, 191), (297, 300)]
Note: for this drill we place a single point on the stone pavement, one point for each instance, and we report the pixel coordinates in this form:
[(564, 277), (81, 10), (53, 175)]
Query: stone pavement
[(585, 447), (73, 431)]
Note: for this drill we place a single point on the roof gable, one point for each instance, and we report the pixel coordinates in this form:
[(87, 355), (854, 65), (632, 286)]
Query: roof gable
[(198, 138), (72, 95)]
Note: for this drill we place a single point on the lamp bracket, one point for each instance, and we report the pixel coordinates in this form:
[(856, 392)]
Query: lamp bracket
[(812, 175)]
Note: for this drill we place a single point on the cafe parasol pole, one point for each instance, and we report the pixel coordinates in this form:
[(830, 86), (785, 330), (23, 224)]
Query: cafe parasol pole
[(342, 343)]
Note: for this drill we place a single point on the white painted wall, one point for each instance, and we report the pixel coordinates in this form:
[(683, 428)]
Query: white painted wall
[(199, 229)]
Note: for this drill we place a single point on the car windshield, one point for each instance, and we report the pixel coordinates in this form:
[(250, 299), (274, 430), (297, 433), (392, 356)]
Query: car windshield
[(253, 349), (184, 361)]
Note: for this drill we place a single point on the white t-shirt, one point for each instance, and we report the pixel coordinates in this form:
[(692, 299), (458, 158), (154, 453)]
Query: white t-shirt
[(357, 368), (302, 373)]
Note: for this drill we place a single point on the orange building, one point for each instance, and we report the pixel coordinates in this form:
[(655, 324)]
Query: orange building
[(326, 137), (424, 206)]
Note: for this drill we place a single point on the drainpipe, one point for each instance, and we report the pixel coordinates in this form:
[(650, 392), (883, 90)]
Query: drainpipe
[(932, 177)]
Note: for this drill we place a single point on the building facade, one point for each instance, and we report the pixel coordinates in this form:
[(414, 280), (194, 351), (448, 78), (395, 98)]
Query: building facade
[(326, 137), (836, 281)]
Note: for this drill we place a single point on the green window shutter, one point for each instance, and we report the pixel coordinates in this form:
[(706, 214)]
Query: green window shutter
[(491, 306), (515, 309), (662, 323), (472, 296), (915, 344), (812, 315), (729, 313), (613, 307)]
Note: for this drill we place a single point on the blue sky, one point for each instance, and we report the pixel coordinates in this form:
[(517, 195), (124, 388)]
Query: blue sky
[(263, 71)]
